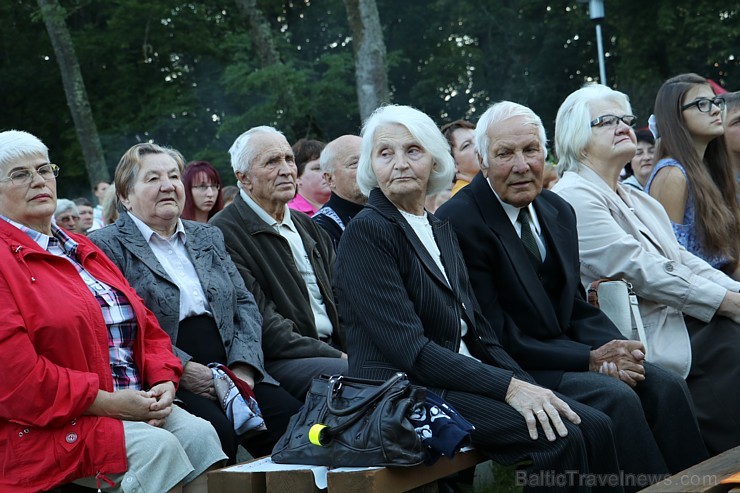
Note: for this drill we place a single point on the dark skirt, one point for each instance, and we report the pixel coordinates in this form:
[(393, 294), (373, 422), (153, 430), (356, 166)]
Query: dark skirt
[(199, 337)]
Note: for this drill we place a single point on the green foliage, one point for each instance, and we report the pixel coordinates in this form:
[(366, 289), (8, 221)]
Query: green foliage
[(504, 480), (184, 73)]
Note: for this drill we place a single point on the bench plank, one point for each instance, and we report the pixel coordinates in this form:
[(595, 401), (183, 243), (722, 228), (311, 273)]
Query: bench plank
[(703, 477), (378, 480), (401, 479)]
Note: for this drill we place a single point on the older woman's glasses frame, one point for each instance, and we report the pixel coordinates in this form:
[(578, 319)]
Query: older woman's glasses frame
[(25, 176), (704, 105), (203, 188), (613, 121)]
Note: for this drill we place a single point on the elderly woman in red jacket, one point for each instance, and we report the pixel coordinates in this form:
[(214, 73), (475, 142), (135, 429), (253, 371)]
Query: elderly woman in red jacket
[(90, 376)]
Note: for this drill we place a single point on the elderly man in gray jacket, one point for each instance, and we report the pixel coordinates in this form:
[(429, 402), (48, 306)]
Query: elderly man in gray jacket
[(285, 260)]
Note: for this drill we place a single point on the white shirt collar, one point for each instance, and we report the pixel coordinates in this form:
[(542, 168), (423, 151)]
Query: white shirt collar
[(262, 214), (513, 212), (147, 232)]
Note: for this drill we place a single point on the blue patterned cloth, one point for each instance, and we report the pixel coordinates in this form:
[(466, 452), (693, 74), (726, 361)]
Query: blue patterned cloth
[(687, 233), (441, 429), (237, 400)]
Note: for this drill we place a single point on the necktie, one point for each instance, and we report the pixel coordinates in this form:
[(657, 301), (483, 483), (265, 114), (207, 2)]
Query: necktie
[(527, 237)]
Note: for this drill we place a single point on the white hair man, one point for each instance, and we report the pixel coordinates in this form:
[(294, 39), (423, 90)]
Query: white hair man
[(339, 164), (67, 215), (285, 260), (520, 244)]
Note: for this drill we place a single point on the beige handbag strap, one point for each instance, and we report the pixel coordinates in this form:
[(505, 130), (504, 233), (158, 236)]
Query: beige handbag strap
[(636, 317)]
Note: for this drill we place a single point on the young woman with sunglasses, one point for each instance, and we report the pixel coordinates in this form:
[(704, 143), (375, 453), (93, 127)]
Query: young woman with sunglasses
[(693, 177)]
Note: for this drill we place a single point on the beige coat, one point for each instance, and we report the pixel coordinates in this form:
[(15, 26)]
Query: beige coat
[(627, 234)]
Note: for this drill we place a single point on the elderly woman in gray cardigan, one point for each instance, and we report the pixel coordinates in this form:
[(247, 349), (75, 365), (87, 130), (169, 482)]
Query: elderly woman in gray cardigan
[(185, 276)]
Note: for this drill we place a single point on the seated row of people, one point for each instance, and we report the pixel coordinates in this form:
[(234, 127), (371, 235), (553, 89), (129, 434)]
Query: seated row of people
[(541, 374)]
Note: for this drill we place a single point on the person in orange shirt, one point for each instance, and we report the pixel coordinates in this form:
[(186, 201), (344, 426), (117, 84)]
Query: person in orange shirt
[(459, 134)]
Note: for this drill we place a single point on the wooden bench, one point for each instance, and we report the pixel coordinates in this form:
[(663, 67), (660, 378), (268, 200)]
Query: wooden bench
[(704, 477), (366, 480)]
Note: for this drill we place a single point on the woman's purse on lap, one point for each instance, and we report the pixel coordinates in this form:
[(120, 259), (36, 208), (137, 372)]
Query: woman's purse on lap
[(352, 422), (618, 302)]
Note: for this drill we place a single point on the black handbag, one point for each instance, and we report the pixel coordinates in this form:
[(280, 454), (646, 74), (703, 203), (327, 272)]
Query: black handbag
[(351, 422)]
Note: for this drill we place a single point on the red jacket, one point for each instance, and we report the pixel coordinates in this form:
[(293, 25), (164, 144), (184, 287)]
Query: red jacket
[(53, 360)]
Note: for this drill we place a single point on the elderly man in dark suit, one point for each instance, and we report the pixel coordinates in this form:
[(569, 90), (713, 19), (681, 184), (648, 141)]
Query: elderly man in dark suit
[(520, 244), (285, 260)]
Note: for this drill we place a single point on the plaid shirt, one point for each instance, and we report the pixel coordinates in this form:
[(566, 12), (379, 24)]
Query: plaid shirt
[(117, 311)]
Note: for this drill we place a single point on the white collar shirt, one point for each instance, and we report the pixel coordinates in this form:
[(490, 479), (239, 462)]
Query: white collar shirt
[(513, 214), (174, 258), (287, 230)]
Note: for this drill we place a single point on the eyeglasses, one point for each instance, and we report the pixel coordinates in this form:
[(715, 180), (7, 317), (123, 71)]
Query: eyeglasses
[(25, 176), (613, 121), (704, 105), (203, 188)]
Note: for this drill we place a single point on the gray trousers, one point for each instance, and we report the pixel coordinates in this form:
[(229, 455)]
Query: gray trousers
[(160, 458)]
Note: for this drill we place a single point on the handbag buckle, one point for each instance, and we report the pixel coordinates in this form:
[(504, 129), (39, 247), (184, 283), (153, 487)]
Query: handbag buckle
[(335, 383)]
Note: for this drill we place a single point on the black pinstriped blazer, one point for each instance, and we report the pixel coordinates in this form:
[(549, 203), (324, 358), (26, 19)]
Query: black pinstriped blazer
[(400, 313)]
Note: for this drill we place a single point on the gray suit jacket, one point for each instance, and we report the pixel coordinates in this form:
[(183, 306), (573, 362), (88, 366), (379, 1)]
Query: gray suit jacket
[(233, 307)]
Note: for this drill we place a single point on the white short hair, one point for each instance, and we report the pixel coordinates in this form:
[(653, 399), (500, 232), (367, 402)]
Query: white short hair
[(423, 129), (498, 112), (573, 122), (17, 143), (242, 153), (64, 205)]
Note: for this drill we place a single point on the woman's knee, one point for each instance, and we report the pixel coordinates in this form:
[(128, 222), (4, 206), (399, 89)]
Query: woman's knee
[(164, 445), (197, 431)]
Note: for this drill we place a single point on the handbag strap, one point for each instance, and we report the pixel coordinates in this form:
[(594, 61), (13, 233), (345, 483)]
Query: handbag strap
[(372, 398), (636, 317), (593, 290)]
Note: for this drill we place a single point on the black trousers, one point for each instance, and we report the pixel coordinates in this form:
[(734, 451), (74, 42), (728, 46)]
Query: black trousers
[(199, 337), (713, 380), (654, 426), (501, 433)]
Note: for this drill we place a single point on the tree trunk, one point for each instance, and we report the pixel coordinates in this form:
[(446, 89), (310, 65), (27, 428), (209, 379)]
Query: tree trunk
[(369, 48), (259, 31), (74, 89)]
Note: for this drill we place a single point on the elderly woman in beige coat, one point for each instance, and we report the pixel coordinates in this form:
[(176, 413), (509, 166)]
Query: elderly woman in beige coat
[(690, 310)]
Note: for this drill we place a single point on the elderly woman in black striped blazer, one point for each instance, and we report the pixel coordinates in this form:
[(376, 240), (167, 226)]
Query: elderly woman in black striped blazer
[(408, 306)]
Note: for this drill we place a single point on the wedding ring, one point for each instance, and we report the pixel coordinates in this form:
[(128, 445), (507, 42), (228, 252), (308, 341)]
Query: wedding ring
[(540, 411)]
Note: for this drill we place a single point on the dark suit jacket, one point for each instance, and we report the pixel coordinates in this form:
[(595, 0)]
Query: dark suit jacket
[(233, 307), (546, 338), (265, 261), (400, 313)]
